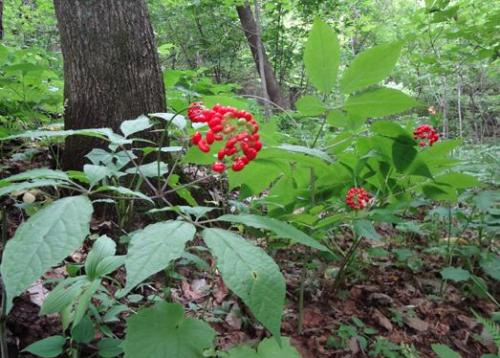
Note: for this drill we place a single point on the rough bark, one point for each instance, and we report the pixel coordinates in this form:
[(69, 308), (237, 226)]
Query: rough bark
[(252, 34), (111, 68)]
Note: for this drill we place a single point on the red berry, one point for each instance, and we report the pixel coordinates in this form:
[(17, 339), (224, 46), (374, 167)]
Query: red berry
[(221, 154), (357, 198), (218, 167), (204, 147), (195, 139), (210, 137), (257, 146)]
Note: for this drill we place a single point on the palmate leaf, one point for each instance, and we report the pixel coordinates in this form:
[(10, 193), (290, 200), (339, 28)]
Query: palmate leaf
[(43, 241), (162, 331), (251, 274)]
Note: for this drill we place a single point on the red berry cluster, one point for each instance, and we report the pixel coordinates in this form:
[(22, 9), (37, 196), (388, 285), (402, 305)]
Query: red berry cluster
[(238, 128), (357, 198), (426, 134)]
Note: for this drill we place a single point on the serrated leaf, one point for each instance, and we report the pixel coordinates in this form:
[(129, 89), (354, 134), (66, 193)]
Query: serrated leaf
[(153, 248), (49, 347), (163, 331), (379, 102), (280, 228), (44, 240), (135, 125), (251, 274), (456, 274), (365, 229), (322, 56), (370, 67)]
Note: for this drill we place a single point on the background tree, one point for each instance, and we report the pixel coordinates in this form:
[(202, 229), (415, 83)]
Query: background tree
[(111, 68), (264, 67), (1, 19)]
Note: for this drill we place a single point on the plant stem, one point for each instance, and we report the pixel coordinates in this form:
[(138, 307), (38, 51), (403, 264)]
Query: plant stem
[(347, 261), (449, 253), (301, 300)]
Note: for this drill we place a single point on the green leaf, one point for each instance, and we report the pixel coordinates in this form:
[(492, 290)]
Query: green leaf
[(268, 348), (84, 331), (280, 228), (365, 229), (28, 185), (370, 67), (96, 173), (135, 125), (456, 274), (403, 155), (251, 274), (340, 119), (322, 56), (48, 347), (163, 331), (102, 248), (443, 351), (109, 347), (458, 180), (305, 150), (63, 295), (43, 241), (124, 191), (491, 265), (379, 102), (108, 265), (439, 192), (150, 170), (153, 248), (40, 173), (310, 106), (176, 119)]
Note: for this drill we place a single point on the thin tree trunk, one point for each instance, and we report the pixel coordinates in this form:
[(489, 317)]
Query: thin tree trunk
[(252, 34), (1, 19), (459, 108), (111, 68)]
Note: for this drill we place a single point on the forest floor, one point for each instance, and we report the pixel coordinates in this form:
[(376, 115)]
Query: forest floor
[(385, 299)]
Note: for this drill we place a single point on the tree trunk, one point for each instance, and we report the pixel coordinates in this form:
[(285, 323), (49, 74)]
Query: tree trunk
[(1, 19), (111, 68), (252, 34)]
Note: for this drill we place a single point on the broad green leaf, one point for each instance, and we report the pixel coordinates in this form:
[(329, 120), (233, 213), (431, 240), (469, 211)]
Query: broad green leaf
[(150, 170), (458, 180), (379, 102), (393, 130), (305, 150), (365, 229), (8, 189), (163, 331), (456, 274), (49, 347), (43, 241), (84, 331), (443, 351), (340, 119), (268, 348), (96, 173), (491, 265), (153, 248), (109, 347), (403, 155), (41, 173), (135, 125), (103, 247), (370, 67), (82, 302), (197, 211), (124, 191), (310, 106), (280, 228), (108, 265), (440, 192), (63, 295), (251, 274), (322, 56), (176, 119)]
